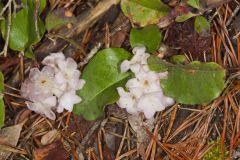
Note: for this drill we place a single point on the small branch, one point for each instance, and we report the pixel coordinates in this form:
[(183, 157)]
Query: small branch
[(84, 21), (92, 16), (36, 18), (90, 55), (14, 8), (5, 7), (234, 13), (96, 125), (9, 23), (72, 42)]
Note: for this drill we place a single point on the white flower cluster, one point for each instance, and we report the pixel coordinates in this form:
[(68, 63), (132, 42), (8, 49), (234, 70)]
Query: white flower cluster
[(54, 87), (144, 92)]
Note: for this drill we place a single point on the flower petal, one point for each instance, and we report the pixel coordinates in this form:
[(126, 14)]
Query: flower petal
[(71, 64), (133, 83), (139, 49), (48, 71), (34, 74), (41, 108), (81, 83), (50, 101), (52, 59), (125, 66), (68, 99), (59, 78), (127, 101)]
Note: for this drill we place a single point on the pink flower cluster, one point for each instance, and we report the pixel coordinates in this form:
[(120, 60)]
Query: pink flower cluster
[(143, 92), (54, 87)]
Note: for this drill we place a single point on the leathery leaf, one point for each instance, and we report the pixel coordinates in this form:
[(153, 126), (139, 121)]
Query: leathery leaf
[(149, 36), (194, 83), (144, 12), (23, 33), (102, 76)]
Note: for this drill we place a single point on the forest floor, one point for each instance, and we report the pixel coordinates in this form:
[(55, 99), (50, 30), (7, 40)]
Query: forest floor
[(181, 132)]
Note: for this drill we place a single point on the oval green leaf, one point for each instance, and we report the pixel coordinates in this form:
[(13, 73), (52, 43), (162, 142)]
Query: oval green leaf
[(144, 12), (202, 26), (1, 6), (1, 82), (57, 19), (194, 3), (178, 59), (149, 36), (184, 17), (194, 83), (31, 4), (23, 33), (156, 64), (102, 76), (2, 112)]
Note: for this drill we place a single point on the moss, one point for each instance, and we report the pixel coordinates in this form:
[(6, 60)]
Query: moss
[(215, 152)]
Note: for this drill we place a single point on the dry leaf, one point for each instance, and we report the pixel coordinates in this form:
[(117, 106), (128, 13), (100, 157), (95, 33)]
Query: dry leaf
[(53, 151), (9, 137), (22, 116), (50, 137)]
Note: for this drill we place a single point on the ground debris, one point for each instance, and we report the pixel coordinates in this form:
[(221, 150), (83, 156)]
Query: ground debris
[(180, 35), (53, 151), (8, 140), (179, 132)]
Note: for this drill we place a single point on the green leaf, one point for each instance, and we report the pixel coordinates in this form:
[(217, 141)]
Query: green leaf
[(57, 18), (23, 33), (31, 4), (1, 82), (194, 83), (102, 76), (29, 53), (194, 3), (2, 107), (178, 59), (1, 6), (2, 113), (156, 64), (201, 25), (184, 17), (144, 12), (149, 36)]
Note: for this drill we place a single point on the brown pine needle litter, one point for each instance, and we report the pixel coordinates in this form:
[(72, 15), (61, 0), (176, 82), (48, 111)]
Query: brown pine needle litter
[(181, 132)]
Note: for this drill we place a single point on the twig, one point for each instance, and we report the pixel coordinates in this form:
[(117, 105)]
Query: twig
[(99, 137), (92, 130), (234, 13), (120, 136), (75, 44), (172, 119), (122, 141), (36, 18), (84, 21), (90, 55), (21, 66), (9, 23), (223, 134), (126, 154), (100, 44), (14, 8), (92, 16), (5, 7)]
